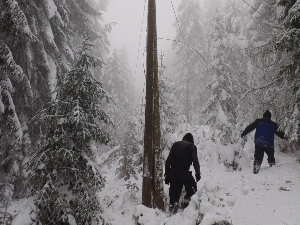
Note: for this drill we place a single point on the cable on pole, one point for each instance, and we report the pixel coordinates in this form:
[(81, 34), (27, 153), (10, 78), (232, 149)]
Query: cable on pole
[(137, 59)]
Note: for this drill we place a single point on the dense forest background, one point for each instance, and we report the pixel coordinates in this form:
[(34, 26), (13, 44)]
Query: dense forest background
[(61, 88)]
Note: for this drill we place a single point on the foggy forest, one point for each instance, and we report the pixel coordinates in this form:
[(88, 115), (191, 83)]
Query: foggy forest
[(95, 94)]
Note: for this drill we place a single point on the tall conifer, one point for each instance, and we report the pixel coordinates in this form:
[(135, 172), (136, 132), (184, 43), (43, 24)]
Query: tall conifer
[(65, 177)]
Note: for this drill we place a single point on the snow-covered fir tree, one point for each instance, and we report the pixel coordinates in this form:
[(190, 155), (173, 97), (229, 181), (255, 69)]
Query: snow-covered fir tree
[(118, 82), (262, 31), (289, 46), (129, 149), (64, 176), (210, 7), (14, 141), (189, 65), (220, 105), (43, 37), (168, 110), (273, 52), (38, 42), (232, 70)]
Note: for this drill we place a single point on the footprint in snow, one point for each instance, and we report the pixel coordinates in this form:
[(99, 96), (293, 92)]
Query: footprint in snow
[(245, 190), (231, 201)]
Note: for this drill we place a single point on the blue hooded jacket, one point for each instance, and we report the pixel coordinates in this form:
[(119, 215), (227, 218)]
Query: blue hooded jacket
[(265, 132)]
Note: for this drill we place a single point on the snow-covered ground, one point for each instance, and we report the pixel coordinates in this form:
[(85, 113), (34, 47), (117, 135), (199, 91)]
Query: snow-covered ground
[(270, 197)]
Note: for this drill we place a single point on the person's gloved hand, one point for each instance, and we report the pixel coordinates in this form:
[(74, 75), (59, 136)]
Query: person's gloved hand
[(198, 177), (167, 179)]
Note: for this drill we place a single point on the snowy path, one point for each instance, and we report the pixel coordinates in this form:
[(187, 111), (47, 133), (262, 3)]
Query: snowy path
[(270, 197)]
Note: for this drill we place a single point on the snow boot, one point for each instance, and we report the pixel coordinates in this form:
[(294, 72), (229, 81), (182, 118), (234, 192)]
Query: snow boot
[(174, 208), (174, 211), (256, 167), (272, 164), (186, 202)]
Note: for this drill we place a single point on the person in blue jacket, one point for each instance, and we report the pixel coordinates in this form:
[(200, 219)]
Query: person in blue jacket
[(264, 139)]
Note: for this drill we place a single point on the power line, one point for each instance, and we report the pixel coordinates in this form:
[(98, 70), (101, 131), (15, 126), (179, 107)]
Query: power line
[(183, 42), (193, 49), (177, 20), (223, 85), (190, 47), (252, 7), (271, 25), (137, 59)]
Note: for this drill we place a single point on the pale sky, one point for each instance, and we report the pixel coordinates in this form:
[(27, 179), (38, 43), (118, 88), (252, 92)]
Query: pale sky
[(129, 16)]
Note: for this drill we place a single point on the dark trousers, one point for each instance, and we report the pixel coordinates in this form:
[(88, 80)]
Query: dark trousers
[(259, 154), (177, 180)]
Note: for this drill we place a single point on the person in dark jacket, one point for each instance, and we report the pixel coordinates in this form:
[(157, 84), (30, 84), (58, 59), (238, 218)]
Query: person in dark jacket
[(264, 139), (182, 155)]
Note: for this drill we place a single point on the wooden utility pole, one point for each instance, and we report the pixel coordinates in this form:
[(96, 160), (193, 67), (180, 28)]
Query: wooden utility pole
[(147, 189), (152, 191), (158, 192)]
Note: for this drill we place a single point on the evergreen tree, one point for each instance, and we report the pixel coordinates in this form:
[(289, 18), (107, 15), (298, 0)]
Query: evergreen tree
[(117, 81), (273, 51), (220, 105), (65, 177), (130, 150), (289, 46), (262, 34), (262, 23), (189, 65), (210, 7), (13, 135), (38, 42), (168, 112), (43, 37), (139, 114), (233, 71)]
